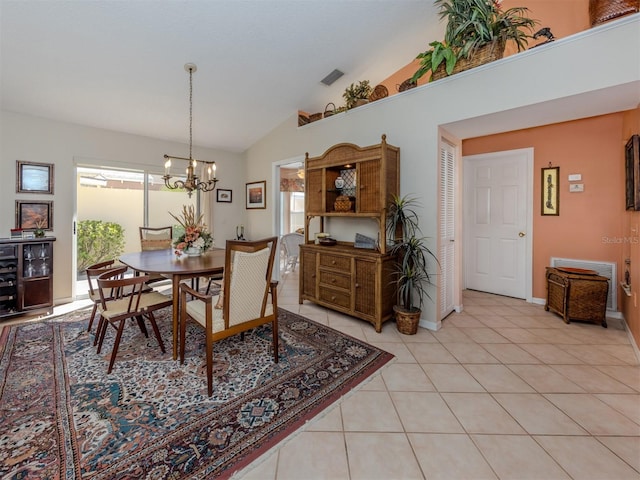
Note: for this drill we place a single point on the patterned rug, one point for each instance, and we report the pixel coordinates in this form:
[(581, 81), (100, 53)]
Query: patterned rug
[(64, 417)]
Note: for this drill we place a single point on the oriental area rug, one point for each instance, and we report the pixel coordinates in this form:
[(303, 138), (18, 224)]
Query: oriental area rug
[(64, 417)]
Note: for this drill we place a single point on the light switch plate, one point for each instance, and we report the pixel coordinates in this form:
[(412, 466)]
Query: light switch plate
[(575, 177), (576, 187)]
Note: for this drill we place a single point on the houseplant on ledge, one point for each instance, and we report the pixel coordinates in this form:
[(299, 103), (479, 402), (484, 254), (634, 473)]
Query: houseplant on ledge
[(411, 275), (477, 31), (357, 94)]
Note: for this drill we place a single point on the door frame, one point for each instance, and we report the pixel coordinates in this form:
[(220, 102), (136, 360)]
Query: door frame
[(529, 159)]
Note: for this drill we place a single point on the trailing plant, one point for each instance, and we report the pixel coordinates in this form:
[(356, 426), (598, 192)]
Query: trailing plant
[(431, 59), (98, 241), (412, 275), (355, 92)]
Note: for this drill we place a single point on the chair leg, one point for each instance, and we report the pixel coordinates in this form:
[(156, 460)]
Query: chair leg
[(116, 344), (98, 330), (102, 331), (154, 325), (93, 314), (183, 332), (143, 328)]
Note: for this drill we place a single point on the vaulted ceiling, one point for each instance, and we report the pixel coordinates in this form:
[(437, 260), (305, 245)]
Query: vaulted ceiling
[(119, 65)]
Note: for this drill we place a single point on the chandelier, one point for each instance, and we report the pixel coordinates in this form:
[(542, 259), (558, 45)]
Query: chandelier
[(206, 181)]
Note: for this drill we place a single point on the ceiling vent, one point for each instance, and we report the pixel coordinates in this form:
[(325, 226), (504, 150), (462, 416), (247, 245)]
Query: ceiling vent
[(332, 77)]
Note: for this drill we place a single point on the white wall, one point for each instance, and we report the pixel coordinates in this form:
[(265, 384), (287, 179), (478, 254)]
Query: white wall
[(36, 139), (591, 73)]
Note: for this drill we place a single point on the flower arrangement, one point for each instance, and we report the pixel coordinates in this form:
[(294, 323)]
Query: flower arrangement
[(195, 231)]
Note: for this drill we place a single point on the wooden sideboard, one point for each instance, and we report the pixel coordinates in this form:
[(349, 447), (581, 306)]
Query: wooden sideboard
[(26, 276)]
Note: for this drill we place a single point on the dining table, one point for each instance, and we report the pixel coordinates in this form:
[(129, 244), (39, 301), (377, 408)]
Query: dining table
[(178, 268)]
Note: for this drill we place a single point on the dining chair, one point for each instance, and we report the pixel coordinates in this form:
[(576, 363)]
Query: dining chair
[(123, 298), (249, 299), (291, 243), (93, 272), (156, 238)]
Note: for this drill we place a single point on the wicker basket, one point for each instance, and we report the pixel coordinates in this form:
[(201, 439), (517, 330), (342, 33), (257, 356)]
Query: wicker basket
[(342, 204), (406, 85), (407, 321), (379, 92), (330, 109), (485, 54), (315, 117), (601, 11)]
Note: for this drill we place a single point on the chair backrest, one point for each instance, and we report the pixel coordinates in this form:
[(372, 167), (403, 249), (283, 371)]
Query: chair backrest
[(291, 242), (156, 238), (249, 266), (116, 289), (94, 271)]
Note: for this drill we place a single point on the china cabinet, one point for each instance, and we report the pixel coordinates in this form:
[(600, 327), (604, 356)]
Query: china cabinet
[(26, 276), (349, 182)]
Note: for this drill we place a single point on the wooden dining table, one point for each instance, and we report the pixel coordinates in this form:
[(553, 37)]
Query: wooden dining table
[(178, 268)]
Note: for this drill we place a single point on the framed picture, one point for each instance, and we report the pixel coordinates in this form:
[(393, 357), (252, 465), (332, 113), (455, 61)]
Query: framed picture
[(34, 177), (550, 192), (257, 194), (32, 215), (223, 196), (632, 173)]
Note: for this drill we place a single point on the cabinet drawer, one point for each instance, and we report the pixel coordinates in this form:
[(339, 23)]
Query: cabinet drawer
[(336, 298), (334, 279), (335, 261), (8, 251)]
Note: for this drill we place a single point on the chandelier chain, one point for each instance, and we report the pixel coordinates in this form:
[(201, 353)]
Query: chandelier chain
[(190, 113)]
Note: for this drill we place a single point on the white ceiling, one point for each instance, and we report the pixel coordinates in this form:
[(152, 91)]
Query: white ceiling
[(119, 64)]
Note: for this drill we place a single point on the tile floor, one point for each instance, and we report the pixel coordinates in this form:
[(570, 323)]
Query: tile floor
[(504, 390)]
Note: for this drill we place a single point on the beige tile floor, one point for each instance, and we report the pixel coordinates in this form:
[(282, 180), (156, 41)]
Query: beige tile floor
[(504, 390)]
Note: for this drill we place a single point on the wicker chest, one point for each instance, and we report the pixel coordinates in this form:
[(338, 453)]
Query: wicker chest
[(577, 295)]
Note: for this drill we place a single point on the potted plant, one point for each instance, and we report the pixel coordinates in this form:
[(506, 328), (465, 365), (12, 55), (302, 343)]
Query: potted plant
[(431, 59), (357, 94), (478, 31), (412, 267)]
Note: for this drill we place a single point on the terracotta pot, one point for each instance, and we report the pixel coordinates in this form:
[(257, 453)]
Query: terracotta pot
[(407, 320)]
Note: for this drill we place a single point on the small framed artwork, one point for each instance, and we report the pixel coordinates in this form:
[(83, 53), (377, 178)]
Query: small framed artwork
[(223, 196), (33, 215), (32, 177), (632, 172), (550, 192), (257, 194)]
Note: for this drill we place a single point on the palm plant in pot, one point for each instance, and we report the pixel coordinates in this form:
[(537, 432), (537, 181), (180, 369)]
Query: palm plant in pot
[(477, 32), (412, 275)]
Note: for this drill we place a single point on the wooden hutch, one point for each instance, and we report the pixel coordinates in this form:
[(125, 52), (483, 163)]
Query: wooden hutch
[(26, 276), (343, 277)]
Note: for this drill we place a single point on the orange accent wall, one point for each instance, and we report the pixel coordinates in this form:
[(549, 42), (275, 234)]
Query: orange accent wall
[(563, 17), (630, 306), (590, 224)]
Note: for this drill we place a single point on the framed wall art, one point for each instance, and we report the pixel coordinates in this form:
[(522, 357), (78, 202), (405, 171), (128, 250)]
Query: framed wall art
[(223, 196), (550, 192), (257, 194), (632, 173), (32, 177), (32, 215)]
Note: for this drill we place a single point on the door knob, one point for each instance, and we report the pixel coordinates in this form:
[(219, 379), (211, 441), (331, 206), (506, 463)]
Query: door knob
[(521, 234)]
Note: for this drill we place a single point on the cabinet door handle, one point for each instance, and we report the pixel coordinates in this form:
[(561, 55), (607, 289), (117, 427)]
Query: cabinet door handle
[(357, 285), (333, 280), (333, 298), (333, 262)]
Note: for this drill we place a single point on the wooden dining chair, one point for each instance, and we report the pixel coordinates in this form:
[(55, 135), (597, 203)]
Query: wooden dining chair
[(249, 299), (93, 272), (124, 298), (155, 238)]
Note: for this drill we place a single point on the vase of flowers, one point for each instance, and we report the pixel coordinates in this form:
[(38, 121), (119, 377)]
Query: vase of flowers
[(196, 238)]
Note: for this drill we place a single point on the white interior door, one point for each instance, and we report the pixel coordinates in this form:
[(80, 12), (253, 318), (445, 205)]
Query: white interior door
[(446, 254), (498, 221)]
